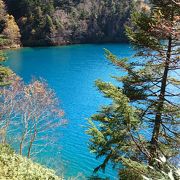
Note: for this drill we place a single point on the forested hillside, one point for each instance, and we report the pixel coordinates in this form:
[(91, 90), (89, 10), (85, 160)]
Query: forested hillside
[(56, 22)]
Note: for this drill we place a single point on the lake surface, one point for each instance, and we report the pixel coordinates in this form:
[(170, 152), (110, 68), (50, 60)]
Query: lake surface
[(71, 72)]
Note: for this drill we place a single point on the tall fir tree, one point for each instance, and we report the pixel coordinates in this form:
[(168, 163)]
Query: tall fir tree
[(139, 131)]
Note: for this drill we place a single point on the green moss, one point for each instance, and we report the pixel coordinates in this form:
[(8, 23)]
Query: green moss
[(16, 167)]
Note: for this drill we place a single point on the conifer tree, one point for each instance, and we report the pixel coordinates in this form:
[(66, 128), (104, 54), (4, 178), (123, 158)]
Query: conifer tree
[(139, 131)]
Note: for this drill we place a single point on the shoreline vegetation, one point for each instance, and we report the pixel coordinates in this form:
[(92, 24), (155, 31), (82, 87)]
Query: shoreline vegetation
[(31, 23)]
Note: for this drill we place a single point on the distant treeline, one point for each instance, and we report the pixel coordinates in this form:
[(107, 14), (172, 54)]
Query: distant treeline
[(56, 22)]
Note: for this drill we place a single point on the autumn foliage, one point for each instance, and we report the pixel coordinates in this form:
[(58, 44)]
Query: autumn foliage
[(9, 30)]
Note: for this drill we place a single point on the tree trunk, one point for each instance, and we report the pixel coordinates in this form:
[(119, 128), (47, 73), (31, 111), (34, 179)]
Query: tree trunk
[(21, 143), (158, 117), (21, 147), (31, 142)]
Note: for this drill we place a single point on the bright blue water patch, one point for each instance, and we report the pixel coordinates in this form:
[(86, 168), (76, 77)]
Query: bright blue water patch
[(71, 72)]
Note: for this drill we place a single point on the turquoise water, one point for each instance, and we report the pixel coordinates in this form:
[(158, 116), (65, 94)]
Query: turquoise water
[(71, 72)]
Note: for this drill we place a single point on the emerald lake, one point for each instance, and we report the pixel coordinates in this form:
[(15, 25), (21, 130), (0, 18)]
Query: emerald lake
[(71, 72)]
